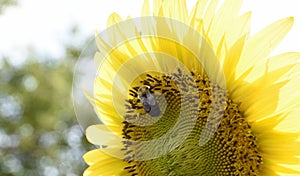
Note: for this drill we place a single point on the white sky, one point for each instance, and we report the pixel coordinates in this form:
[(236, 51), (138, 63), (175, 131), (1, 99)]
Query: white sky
[(44, 24)]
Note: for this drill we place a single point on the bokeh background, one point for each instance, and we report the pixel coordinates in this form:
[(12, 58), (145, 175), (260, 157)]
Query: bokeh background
[(40, 43), (39, 133)]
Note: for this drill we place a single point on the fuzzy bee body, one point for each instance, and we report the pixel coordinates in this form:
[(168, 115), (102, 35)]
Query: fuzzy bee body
[(148, 101)]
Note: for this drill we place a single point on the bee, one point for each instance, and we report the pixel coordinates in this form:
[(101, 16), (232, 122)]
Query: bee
[(148, 101)]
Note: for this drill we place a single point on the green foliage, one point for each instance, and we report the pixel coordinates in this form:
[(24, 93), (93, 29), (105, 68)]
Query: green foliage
[(6, 3), (39, 133)]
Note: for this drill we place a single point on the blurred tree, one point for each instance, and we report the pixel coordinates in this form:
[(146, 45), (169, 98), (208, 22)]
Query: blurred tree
[(6, 3), (39, 133)]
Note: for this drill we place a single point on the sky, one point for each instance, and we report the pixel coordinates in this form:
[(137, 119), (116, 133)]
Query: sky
[(44, 25)]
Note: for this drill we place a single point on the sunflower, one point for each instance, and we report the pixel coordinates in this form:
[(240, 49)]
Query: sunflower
[(183, 93)]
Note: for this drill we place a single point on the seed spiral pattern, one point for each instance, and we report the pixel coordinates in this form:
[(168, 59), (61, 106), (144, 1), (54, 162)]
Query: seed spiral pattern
[(232, 150)]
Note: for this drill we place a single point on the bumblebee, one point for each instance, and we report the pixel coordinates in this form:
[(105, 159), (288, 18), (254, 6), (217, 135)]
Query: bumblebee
[(148, 101)]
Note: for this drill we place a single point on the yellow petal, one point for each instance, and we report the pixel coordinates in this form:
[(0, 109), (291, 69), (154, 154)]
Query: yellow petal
[(260, 96), (231, 61), (274, 63), (146, 8), (261, 44), (101, 135), (283, 170), (157, 7), (240, 27), (275, 143), (209, 13), (103, 164), (113, 19), (267, 124), (265, 91), (223, 20), (291, 123), (98, 155), (115, 34), (265, 170), (197, 13), (103, 48), (176, 9)]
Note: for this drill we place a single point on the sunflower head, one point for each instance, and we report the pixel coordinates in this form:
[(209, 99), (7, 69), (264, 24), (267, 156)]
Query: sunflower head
[(183, 93)]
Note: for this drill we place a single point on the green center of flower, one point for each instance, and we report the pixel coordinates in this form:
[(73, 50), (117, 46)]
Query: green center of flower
[(232, 150)]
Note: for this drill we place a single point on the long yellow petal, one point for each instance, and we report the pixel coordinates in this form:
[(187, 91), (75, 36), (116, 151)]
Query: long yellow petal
[(98, 155), (261, 44), (223, 21), (240, 27), (273, 63), (176, 10), (101, 135), (231, 60), (146, 8), (103, 164), (197, 13), (209, 13)]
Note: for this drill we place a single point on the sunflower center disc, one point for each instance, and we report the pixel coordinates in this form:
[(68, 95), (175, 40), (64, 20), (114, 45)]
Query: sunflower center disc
[(232, 150)]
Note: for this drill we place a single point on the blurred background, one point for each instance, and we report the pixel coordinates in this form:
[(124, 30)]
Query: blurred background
[(40, 43), (39, 133)]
